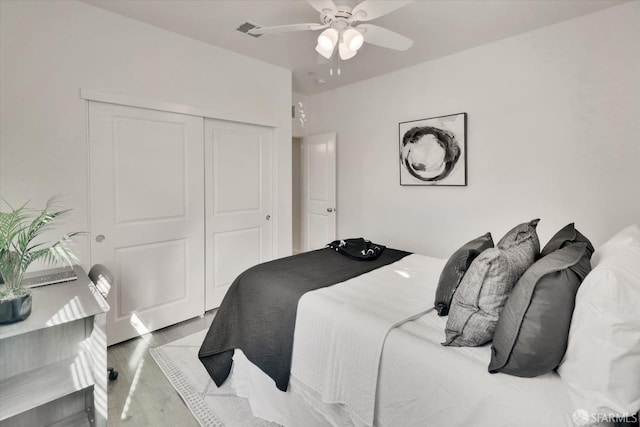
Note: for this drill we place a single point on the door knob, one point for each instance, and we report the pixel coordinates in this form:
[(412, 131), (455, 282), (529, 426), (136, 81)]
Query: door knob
[(329, 210), (100, 238), (268, 217)]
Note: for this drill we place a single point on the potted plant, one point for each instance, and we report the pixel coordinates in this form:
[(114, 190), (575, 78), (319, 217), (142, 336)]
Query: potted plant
[(19, 248)]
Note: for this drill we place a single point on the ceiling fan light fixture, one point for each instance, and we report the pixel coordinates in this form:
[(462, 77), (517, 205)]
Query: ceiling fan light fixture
[(353, 39), (345, 52), (340, 22), (327, 39), (326, 53)]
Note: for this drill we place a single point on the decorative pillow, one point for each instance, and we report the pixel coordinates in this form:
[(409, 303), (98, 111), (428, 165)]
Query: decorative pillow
[(455, 269), (566, 236), (520, 233), (630, 236), (533, 328), (602, 364), (482, 293)]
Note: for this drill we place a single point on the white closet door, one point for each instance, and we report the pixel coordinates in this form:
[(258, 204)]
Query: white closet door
[(147, 224), (238, 202)]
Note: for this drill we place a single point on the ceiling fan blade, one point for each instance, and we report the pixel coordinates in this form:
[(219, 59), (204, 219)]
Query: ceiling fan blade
[(372, 9), (384, 38), (287, 28), (321, 5)]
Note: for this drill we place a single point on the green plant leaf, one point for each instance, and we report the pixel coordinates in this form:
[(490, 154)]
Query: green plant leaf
[(18, 229)]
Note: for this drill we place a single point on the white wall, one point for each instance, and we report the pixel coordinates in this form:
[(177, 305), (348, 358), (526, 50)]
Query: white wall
[(49, 50), (298, 129), (553, 132)]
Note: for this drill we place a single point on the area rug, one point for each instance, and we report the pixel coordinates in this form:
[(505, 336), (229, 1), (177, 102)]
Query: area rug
[(210, 405)]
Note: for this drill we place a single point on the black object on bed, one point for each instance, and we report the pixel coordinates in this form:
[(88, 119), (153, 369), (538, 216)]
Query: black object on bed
[(359, 248), (258, 313)]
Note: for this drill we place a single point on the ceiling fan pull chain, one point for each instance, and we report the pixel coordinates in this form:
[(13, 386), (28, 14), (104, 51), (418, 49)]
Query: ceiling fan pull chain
[(331, 66)]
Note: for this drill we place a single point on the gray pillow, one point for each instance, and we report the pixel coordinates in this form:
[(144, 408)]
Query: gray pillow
[(520, 233), (484, 289), (533, 329), (455, 269), (566, 236)]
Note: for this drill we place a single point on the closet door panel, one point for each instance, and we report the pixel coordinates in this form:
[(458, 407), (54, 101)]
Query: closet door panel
[(147, 224), (238, 168)]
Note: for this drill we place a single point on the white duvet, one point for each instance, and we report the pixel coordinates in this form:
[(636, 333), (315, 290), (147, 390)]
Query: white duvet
[(340, 332), (418, 382)]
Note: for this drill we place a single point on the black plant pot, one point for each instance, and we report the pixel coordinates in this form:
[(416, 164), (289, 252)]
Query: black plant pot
[(15, 310)]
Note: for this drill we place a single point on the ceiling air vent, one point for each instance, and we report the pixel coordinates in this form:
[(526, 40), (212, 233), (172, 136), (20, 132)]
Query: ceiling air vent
[(244, 28)]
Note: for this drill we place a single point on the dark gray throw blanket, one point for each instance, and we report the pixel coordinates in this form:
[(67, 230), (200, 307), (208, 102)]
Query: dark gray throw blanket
[(258, 313)]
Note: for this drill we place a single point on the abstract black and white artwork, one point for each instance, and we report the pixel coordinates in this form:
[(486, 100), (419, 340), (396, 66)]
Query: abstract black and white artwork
[(434, 151)]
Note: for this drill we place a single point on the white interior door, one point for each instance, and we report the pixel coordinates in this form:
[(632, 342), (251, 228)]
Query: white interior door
[(318, 170), (147, 223), (238, 197)]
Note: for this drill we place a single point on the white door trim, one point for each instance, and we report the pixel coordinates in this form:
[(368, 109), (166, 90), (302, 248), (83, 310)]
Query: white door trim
[(171, 107)]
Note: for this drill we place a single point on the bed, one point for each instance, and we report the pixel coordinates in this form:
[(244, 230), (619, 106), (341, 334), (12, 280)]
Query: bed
[(367, 351)]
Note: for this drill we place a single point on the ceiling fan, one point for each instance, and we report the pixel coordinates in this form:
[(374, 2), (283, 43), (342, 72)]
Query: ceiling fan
[(341, 22)]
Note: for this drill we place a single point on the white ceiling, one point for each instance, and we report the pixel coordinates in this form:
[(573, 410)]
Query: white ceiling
[(438, 28)]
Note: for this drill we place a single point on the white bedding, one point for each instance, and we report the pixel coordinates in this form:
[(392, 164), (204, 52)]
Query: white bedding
[(340, 331), (420, 383), (430, 385)]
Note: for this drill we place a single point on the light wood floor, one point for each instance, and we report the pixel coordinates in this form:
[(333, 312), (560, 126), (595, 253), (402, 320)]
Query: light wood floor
[(142, 395)]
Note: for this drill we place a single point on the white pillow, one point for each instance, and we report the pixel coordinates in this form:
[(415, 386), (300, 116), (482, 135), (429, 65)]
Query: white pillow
[(623, 239), (602, 364)]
